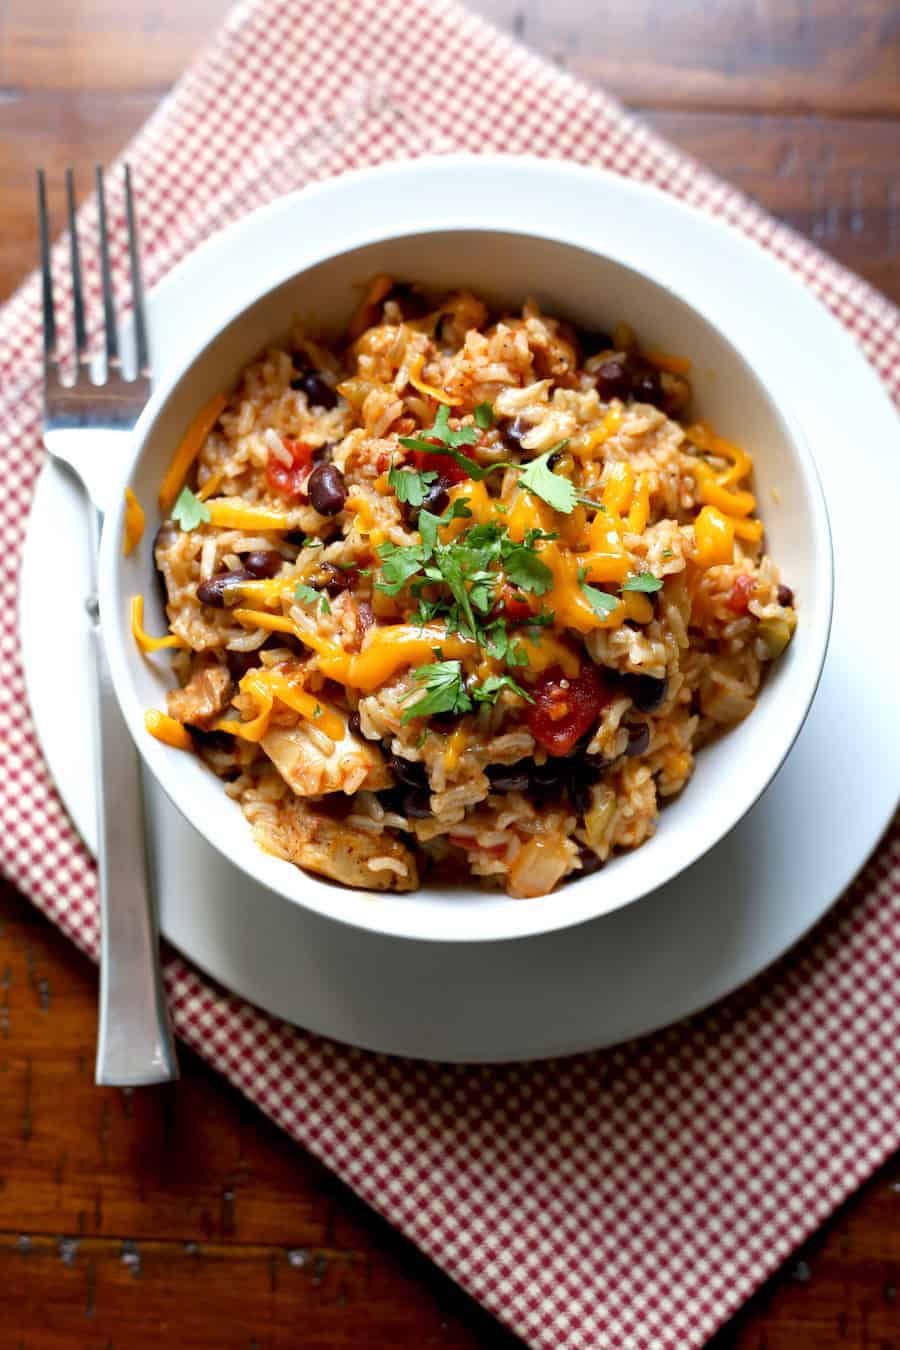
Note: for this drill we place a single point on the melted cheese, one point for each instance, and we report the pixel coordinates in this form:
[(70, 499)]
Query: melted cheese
[(429, 390), (230, 514), (144, 640), (167, 730), (188, 451), (264, 687), (134, 523)]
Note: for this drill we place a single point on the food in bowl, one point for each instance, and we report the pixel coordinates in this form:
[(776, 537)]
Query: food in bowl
[(459, 590)]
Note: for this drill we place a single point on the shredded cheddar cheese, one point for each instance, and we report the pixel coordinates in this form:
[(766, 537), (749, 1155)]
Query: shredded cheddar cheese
[(231, 515), (144, 640), (134, 523), (212, 484), (264, 687), (674, 365), (167, 730), (456, 744), (429, 390), (187, 452)]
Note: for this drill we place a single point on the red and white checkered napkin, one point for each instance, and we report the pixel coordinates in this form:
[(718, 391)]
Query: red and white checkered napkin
[(632, 1198)]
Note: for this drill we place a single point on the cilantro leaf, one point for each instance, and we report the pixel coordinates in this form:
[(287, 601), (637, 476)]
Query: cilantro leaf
[(189, 511), (445, 691), (398, 564), (601, 602), (644, 581), (551, 487), (308, 595), (448, 442), (525, 568), (409, 485), (484, 416), (442, 430), (493, 686)]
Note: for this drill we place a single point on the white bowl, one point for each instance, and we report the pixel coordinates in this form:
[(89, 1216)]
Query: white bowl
[(492, 256)]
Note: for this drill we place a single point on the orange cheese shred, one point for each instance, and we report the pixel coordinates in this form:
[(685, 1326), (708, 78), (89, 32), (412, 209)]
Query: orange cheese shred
[(188, 451), (134, 523), (167, 730), (429, 390), (144, 640)]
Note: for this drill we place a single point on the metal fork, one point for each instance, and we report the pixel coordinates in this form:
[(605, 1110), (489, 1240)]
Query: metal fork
[(85, 424)]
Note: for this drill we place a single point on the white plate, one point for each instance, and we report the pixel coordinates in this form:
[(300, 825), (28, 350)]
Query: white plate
[(719, 923)]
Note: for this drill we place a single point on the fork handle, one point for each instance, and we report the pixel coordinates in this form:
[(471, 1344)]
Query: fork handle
[(135, 1045)]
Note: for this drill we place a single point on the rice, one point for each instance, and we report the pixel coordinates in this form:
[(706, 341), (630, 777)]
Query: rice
[(611, 638)]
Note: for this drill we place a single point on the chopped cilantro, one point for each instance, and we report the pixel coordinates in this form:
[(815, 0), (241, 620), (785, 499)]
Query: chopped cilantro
[(644, 581), (551, 487), (398, 564), (441, 439), (601, 602), (524, 567), (308, 595), (484, 416), (667, 553), (189, 511), (409, 485), (445, 691), (493, 686)]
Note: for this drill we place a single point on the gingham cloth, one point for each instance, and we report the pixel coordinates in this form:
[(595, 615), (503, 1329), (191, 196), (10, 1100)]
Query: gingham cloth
[(632, 1198)]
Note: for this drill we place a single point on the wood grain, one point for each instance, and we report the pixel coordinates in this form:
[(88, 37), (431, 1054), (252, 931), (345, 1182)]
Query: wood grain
[(183, 1217)]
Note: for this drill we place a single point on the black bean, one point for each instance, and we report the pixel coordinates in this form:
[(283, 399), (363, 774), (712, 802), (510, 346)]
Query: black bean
[(444, 721), (318, 393), (549, 774), (437, 498), (511, 433), (326, 489), (638, 739), (648, 389), (785, 596), (213, 740), (510, 777), (214, 590), (323, 452), (416, 803), (591, 342), (613, 379), (333, 580), (263, 562), (589, 861), (408, 771), (354, 723), (240, 662), (410, 303), (646, 692)]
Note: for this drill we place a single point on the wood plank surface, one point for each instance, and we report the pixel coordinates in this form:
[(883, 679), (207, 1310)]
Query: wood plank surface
[(183, 1217)]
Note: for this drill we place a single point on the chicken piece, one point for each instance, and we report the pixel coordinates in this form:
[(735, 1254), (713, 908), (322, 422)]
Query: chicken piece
[(205, 696), (351, 765), (337, 850)]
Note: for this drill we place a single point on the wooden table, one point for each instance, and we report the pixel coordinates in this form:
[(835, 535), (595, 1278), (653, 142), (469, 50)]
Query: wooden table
[(182, 1217)]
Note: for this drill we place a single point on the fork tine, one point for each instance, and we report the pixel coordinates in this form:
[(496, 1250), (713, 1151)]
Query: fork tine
[(137, 286), (46, 276), (77, 292), (109, 307)]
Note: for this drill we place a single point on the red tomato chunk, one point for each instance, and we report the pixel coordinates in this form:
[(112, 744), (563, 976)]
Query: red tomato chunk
[(740, 593), (290, 482), (444, 466), (564, 709)]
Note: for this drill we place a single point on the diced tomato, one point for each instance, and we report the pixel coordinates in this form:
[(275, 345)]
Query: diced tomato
[(428, 461), (290, 482), (513, 605), (740, 593), (564, 709)]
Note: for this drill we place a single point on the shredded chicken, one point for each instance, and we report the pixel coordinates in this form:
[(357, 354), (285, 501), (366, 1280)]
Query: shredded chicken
[(205, 696), (310, 770), (354, 857)]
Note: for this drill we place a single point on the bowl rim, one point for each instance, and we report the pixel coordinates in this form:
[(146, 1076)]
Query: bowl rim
[(396, 916)]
